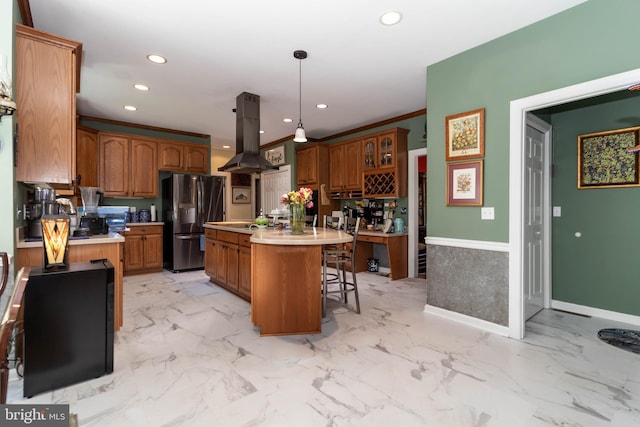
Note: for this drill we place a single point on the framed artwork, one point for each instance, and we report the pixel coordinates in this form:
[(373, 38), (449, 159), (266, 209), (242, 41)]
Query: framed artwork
[(275, 156), (240, 195), (604, 160), (464, 183), (465, 135)]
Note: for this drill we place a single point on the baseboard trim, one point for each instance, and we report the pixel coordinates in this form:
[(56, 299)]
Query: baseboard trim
[(467, 320), (469, 244), (596, 312)]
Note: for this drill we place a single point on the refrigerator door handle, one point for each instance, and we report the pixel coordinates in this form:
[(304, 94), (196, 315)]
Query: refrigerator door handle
[(188, 237), (199, 210)]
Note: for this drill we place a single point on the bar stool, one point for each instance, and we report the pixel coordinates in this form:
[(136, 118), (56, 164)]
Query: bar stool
[(341, 258)]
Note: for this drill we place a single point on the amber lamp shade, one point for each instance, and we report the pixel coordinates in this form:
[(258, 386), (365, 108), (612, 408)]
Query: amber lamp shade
[(55, 236)]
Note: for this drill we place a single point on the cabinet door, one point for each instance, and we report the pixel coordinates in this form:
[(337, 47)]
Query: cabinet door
[(133, 252), (337, 167), (114, 165), (144, 169), (232, 266), (46, 115), (170, 157), (221, 259), (153, 251), (352, 172), (307, 166), (369, 153), (87, 157), (210, 260), (244, 271), (196, 159), (386, 150)]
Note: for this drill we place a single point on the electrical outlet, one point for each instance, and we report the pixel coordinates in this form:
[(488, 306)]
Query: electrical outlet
[(487, 213)]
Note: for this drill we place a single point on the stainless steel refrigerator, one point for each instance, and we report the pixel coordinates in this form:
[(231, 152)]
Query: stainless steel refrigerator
[(188, 202)]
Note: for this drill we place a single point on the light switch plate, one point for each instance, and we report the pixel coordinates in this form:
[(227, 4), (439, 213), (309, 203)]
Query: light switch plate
[(557, 211), (487, 213)]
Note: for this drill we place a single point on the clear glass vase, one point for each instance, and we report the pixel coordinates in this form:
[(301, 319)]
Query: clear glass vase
[(296, 219)]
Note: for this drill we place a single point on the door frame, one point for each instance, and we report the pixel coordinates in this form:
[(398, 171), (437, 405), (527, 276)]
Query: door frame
[(518, 111), (412, 207)]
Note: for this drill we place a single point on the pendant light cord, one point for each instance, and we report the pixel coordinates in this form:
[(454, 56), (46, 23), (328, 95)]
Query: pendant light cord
[(300, 92)]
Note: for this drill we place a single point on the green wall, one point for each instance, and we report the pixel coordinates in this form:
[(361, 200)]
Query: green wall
[(592, 40), (8, 17), (599, 269)]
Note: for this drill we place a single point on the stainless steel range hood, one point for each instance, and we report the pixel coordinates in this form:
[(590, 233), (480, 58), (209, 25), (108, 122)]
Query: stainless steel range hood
[(247, 158)]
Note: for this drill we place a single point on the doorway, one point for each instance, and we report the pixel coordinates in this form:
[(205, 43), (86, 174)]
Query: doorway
[(413, 220), (517, 216)]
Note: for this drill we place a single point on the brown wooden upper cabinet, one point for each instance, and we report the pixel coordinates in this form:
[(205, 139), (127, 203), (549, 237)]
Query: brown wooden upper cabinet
[(128, 165), (87, 156), (183, 157), (384, 164), (312, 165), (345, 166), (47, 78)]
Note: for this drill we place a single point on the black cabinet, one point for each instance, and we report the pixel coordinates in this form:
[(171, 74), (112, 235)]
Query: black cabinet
[(68, 326)]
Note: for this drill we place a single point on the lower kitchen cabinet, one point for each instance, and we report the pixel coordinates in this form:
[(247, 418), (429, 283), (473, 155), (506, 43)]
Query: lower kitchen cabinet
[(228, 261), (83, 251), (143, 249), (244, 266)]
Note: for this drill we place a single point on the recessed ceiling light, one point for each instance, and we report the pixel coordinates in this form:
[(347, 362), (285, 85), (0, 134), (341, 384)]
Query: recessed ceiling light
[(261, 131), (157, 59), (130, 108), (226, 146), (287, 120), (141, 87), (321, 106), (391, 18)]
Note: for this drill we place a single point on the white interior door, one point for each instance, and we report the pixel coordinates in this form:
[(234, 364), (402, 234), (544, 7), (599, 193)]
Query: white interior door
[(535, 245), (273, 185)]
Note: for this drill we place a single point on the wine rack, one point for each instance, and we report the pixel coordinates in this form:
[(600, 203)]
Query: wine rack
[(382, 184)]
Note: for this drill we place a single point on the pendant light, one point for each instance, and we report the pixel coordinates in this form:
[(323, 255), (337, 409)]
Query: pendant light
[(300, 135)]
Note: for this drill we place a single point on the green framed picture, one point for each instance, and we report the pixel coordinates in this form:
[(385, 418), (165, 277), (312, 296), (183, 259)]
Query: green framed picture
[(604, 159)]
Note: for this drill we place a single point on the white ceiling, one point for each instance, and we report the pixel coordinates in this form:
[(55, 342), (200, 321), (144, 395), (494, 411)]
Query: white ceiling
[(364, 71)]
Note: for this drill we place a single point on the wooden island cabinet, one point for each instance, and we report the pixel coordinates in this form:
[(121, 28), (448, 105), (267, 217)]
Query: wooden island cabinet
[(227, 262)]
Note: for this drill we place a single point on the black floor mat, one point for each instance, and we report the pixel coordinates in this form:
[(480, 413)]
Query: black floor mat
[(626, 339)]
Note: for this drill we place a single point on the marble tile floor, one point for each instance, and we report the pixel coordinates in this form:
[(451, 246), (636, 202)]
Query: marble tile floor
[(188, 355)]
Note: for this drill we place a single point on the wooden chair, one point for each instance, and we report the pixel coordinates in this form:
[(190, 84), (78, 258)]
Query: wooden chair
[(342, 258), (6, 328), (5, 271)]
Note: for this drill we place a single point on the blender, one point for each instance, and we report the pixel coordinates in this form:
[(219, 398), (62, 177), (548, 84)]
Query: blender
[(90, 222)]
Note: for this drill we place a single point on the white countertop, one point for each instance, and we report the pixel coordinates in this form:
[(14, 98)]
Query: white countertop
[(311, 236), (97, 239)]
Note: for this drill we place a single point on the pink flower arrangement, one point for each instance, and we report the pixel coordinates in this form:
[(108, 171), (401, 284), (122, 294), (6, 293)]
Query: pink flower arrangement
[(301, 197)]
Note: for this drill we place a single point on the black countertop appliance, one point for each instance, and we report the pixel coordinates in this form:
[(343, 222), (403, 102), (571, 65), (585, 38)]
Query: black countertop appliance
[(68, 326)]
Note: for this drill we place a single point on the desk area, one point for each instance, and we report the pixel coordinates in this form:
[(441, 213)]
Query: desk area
[(397, 247)]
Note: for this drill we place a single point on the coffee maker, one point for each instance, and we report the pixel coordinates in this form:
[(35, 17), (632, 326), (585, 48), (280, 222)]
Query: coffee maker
[(42, 202), (90, 222)]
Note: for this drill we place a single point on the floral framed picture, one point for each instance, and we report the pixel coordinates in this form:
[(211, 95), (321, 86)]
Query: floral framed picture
[(604, 160), (464, 183), (240, 195), (465, 135), (275, 156)]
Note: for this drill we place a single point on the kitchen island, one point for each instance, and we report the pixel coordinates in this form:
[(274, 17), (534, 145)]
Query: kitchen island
[(286, 274)]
